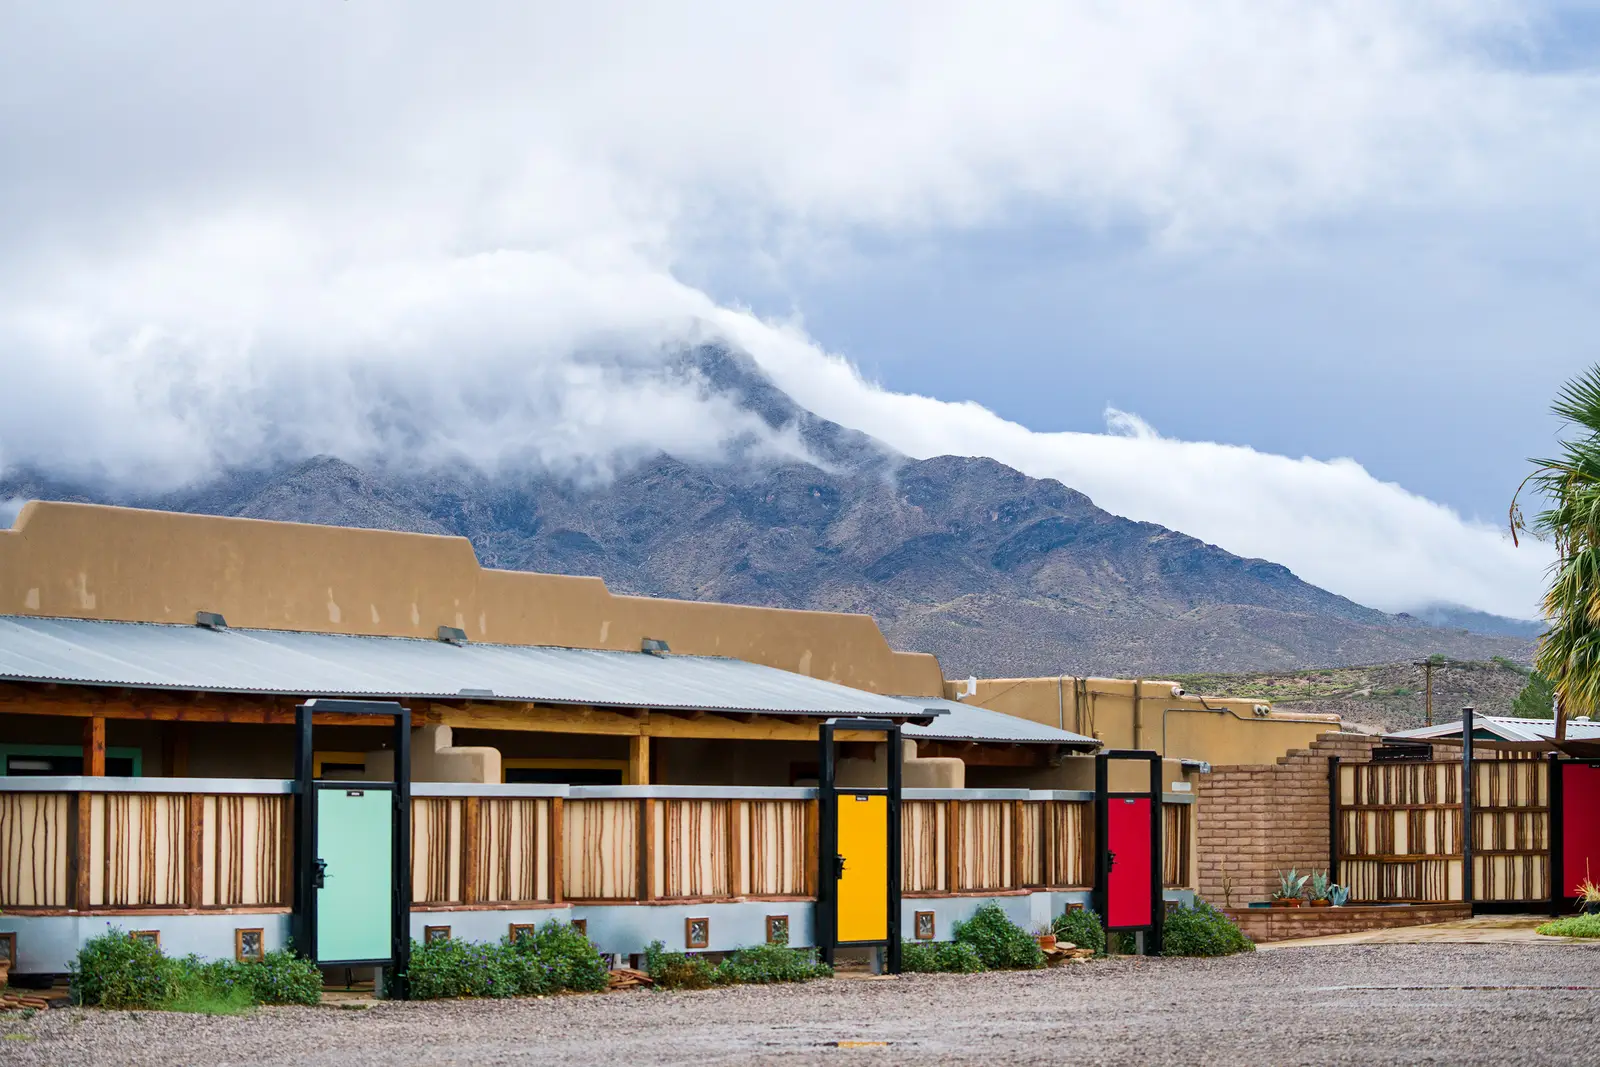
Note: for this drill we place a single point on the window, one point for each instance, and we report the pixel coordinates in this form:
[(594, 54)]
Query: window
[(66, 759), (564, 771)]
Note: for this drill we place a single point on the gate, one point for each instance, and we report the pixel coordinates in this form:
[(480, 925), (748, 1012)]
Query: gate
[(352, 854), (1127, 885), (858, 863), (1579, 834)]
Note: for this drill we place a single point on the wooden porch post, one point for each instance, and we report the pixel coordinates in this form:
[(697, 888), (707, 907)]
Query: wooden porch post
[(639, 759), (94, 746)]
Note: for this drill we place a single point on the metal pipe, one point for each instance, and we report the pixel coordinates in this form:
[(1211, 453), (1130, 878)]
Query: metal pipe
[(1467, 888)]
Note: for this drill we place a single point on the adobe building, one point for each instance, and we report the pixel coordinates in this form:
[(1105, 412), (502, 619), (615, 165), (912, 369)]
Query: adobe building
[(631, 763)]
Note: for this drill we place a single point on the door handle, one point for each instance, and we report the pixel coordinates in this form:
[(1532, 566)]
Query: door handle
[(1111, 859), (838, 867), (319, 873)]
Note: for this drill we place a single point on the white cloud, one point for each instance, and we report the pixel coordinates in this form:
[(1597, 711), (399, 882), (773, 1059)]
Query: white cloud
[(459, 230)]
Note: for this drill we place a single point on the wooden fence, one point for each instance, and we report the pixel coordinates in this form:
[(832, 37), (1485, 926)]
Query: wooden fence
[(1399, 831), (114, 851)]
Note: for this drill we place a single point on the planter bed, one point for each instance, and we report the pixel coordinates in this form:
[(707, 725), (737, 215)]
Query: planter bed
[(1283, 924)]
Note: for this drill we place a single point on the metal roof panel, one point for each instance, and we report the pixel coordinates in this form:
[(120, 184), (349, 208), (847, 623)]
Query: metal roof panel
[(292, 663), (965, 722)]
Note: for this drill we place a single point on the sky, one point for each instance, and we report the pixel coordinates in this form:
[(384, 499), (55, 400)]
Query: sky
[(1297, 278)]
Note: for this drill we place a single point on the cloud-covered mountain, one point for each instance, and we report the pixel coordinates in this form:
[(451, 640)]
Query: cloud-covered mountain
[(995, 571)]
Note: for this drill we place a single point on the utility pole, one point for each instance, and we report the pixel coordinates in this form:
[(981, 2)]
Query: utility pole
[(1427, 666)]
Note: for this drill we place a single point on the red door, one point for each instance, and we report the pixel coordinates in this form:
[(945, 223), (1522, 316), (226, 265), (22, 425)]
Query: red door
[(1580, 827), (1128, 900)]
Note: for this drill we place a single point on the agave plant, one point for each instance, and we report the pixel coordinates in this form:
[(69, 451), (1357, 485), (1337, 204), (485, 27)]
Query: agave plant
[(1320, 884), (1338, 894), (1291, 885)]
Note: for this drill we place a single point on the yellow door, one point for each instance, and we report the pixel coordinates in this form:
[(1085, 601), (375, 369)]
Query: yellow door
[(864, 885)]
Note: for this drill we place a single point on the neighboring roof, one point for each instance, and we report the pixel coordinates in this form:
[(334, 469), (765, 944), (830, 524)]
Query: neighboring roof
[(964, 722), (161, 656), (1525, 731)]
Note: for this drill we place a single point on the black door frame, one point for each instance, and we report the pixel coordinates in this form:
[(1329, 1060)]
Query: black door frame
[(1100, 896), (826, 917), (303, 918)]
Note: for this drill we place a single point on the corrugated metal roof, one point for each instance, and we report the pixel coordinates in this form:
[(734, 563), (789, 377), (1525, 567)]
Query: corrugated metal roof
[(1505, 728), (964, 722), (163, 656)]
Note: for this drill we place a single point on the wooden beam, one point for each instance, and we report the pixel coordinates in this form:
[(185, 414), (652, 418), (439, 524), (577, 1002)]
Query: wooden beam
[(557, 849), (639, 760), (194, 862), (94, 747), (471, 816), (83, 702)]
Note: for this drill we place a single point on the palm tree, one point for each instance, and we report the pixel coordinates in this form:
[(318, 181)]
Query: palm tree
[(1569, 652)]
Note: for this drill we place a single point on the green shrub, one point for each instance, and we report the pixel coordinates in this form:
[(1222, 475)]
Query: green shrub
[(939, 957), (280, 977), (765, 964), (1573, 926), (1202, 930), (675, 970), (1082, 928), (118, 971), (450, 968), (575, 965), (1001, 944)]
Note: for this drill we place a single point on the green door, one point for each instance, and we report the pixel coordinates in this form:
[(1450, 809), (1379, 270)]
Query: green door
[(355, 845)]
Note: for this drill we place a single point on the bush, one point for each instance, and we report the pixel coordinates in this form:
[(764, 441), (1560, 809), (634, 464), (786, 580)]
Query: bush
[(280, 977), (1573, 926), (756, 965), (575, 965), (451, 968), (1202, 930), (556, 958), (1001, 944), (939, 957), (118, 971), (765, 964), (675, 970), (1082, 928)]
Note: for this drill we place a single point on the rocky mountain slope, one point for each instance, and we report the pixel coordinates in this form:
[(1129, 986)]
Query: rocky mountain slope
[(996, 572), (1380, 698)]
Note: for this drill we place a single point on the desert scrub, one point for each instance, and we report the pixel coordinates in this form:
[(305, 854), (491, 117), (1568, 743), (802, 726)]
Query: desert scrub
[(1202, 930), (1001, 944), (756, 965), (766, 964), (939, 957), (118, 971), (1573, 926), (1082, 928)]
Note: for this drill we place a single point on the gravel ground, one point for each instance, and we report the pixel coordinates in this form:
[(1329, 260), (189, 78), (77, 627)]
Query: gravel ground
[(1370, 1004)]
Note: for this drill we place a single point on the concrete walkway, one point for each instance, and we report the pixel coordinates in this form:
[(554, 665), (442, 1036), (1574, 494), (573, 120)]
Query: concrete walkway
[(1482, 930)]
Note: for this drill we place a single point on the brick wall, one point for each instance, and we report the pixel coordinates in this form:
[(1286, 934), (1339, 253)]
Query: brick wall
[(1254, 820), (1284, 924)]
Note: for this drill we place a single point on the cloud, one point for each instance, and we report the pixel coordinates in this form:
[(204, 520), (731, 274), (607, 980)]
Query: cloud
[(463, 231)]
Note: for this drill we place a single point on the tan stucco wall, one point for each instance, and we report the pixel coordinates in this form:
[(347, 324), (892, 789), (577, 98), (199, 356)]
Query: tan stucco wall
[(90, 562), (1217, 730)]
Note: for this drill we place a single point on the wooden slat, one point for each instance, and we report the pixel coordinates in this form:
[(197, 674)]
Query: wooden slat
[(952, 846), (813, 837), (557, 849), (647, 866), (471, 849), (735, 850), (194, 846)]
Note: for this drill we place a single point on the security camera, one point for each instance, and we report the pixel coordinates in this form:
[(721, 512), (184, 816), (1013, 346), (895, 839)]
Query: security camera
[(1177, 691), (1262, 709)]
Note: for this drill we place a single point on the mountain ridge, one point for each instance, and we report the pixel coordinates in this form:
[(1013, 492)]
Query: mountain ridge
[(995, 572)]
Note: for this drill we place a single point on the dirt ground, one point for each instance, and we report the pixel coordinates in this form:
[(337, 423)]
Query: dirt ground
[(1364, 1004)]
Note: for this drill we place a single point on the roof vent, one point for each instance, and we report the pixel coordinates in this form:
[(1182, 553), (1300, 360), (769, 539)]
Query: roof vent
[(452, 635), (210, 620), (653, 645), (475, 692)]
